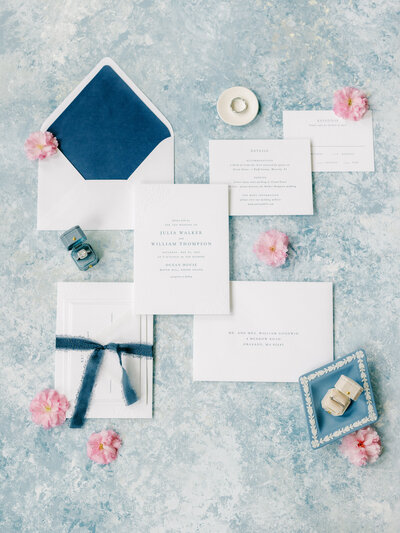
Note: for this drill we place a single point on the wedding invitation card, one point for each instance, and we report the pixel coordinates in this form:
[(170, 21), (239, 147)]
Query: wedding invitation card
[(337, 145), (181, 249), (266, 177), (276, 332), (104, 313)]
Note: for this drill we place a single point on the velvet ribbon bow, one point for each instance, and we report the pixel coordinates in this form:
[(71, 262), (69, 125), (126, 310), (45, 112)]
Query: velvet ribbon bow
[(93, 366)]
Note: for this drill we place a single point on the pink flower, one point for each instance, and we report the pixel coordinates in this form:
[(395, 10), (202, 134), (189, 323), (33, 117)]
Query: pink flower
[(48, 408), (103, 447), (272, 247), (350, 103), (361, 447), (40, 144)]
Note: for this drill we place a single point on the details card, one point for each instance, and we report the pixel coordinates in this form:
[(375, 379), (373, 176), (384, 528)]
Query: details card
[(337, 145), (276, 332), (181, 249), (266, 177)]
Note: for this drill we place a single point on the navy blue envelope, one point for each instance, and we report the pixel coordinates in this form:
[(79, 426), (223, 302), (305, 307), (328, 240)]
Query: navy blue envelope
[(111, 136), (323, 427)]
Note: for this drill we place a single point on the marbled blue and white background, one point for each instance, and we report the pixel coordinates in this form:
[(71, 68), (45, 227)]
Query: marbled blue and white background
[(224, 457)]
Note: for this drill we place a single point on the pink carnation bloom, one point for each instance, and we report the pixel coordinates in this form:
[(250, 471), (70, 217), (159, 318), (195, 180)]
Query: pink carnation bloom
[(272, 247), (361, 447), (103, 447), (49, 408), (40, 144), (350, 103)]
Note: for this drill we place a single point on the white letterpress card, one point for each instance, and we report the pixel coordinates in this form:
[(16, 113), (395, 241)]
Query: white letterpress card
[(276, 332), (337, 145), (104, 313), (266, 177), (181, 249)]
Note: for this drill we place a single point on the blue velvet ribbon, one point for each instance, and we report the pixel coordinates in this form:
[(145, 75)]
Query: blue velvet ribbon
[(93, 366)]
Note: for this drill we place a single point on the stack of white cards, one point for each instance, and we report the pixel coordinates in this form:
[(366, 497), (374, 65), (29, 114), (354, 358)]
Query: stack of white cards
[(104, 313)]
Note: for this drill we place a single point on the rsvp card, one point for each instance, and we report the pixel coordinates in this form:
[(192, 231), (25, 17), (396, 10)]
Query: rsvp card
[(266, 177), (276, 332), (181, 249), (104, 313), (337, 145)]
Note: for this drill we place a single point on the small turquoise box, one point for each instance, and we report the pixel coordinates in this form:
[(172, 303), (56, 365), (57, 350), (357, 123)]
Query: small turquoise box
[(82, 253), (323, 427)]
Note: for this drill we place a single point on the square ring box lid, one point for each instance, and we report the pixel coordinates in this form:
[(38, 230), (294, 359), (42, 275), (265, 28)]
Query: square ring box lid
[(324, 428), (73, 237)]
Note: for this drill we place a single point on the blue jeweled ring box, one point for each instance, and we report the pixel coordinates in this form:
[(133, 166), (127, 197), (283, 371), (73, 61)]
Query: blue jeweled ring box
[(323, 427)]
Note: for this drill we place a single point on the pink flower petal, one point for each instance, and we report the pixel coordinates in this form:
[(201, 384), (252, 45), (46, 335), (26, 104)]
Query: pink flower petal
[(48, 408), (103, 447), (271, 247), (350, 103), (40, 145), (362, 447)]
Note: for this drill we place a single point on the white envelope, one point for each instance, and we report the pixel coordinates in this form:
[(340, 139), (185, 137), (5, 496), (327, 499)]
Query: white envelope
[(66, 199), (277, 331)]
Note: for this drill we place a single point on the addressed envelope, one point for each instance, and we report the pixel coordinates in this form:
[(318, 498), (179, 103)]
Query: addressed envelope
[(111, 137)]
